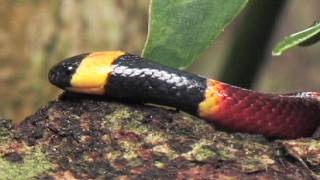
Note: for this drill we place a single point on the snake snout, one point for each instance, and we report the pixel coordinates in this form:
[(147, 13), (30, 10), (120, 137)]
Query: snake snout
[(60, 76)]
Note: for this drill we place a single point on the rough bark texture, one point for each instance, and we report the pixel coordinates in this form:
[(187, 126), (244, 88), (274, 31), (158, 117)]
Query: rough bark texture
[(80, 137)]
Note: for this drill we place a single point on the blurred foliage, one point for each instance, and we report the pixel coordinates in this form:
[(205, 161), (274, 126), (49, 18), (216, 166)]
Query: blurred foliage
[(35, 34)]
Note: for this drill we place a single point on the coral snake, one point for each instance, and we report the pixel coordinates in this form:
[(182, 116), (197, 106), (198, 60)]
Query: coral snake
[(118, 74)]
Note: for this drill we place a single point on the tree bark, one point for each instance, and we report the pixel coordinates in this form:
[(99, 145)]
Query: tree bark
[(81, 137)]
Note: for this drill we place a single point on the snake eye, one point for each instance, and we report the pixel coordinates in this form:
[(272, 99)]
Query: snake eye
[(69, 70)]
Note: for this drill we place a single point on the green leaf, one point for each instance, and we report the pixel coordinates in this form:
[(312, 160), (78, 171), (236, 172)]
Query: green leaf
[(298, 38), (179, 31)]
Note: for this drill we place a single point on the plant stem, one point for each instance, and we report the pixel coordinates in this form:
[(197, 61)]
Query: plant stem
[(251, 42)]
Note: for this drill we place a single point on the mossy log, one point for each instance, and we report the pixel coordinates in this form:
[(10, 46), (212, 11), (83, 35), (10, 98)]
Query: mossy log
[(81, 137)]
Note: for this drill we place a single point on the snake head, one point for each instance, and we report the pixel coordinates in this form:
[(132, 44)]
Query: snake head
[(315, 95), (310, 95), (61, 74), (85, 73)]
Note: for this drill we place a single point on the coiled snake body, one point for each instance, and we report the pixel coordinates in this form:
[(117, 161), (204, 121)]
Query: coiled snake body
[(121, 75)]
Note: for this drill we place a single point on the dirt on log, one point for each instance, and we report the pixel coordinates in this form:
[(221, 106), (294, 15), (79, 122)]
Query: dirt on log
[(82, 137)]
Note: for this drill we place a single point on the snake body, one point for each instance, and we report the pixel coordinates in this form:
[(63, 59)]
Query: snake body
[(118, 74)]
